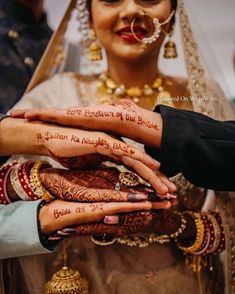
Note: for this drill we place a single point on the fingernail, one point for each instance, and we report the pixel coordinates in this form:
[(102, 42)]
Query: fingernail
[(68, 230), (63, 234), (54, 238), (156, 162), (171, 196), (137, 197), (155, 197), (111, 219), (168, 205), (167, 196)]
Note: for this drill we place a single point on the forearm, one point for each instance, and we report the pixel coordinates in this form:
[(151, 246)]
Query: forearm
[(149, 128), (18, 136), (169, 222)]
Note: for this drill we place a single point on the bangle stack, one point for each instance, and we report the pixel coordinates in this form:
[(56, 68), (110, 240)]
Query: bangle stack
[(5, 170), (200, 233), (25, 181), (210, 235)]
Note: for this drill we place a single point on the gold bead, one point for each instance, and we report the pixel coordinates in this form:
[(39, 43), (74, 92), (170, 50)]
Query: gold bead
[(157, 83), (147, 90), (134, 92), (110, 84), (136, 99)]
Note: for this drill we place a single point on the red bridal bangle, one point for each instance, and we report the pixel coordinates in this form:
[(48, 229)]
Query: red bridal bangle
[(4, 173)]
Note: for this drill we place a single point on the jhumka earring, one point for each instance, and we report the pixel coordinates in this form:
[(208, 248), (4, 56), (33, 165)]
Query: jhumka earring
[(170, 50), (95, 49)]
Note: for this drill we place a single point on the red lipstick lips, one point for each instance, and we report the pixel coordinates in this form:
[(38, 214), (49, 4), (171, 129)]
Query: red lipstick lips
[(126, 33)]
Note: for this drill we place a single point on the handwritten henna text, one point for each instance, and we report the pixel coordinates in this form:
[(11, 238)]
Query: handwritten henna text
[(85, 141), (120, 115)]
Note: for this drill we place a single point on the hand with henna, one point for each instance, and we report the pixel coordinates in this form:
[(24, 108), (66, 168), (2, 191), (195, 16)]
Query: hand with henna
[(128, 120), (162, 222), (97, 186), (60, 214), (78, 149)]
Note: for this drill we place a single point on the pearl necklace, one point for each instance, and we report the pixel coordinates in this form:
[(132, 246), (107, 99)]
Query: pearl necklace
[(108, 91)]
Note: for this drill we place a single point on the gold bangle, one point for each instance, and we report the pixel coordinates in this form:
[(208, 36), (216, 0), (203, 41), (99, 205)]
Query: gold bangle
[(39, 190), (200, 233)]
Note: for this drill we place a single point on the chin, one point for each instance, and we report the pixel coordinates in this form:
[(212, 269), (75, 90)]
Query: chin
[(131, 53)]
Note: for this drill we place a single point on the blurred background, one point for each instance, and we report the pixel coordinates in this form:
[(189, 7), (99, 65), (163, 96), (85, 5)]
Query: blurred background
[(216, 20)]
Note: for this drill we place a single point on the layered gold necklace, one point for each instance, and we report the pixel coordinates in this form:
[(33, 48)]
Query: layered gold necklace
[(108, 92)]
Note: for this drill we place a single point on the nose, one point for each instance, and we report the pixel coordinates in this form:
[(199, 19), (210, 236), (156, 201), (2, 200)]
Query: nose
[(130, 10)]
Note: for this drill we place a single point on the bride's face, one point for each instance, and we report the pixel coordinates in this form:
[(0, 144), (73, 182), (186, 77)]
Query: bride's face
[(111, 20)]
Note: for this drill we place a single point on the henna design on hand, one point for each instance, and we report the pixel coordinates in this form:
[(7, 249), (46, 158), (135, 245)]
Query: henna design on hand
[(89, 161), (92, 186), (136, 222)]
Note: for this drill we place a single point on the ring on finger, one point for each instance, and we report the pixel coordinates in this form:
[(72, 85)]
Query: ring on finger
[(127, 179)]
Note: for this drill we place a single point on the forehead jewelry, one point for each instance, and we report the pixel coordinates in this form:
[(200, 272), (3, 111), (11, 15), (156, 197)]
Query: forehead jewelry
[(157, 27)]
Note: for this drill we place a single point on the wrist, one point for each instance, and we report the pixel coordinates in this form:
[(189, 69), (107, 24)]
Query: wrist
[(170, 222), (43, 237), (19, 136), (191, 229), (43, 217), (151, 133)]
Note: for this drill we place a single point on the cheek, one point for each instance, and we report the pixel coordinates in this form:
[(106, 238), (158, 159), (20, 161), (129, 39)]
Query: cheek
[(104, 27), (162, 10), (103, 20)]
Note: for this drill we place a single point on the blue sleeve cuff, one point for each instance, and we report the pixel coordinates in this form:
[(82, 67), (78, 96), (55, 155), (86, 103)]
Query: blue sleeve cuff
[(19, 230)]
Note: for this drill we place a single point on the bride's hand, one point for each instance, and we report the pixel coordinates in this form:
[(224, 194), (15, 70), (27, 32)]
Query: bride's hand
[(124, 118), (85, 149), (59, 214), (160, 222), (101, 185)]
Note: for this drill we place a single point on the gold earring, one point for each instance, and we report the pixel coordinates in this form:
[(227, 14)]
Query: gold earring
[(95, 50), (170, 50)]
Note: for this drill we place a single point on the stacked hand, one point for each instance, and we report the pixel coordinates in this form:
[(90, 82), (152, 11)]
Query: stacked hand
[(128, 120), (89, 196)]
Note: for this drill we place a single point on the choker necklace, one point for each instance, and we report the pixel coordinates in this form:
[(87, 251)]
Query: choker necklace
[(108, 91)]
